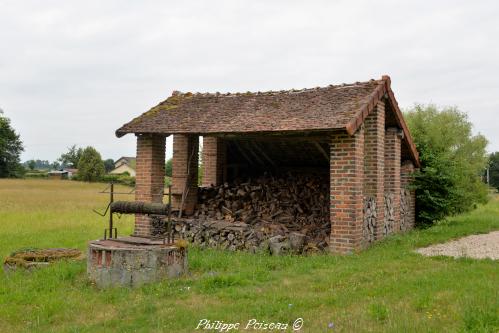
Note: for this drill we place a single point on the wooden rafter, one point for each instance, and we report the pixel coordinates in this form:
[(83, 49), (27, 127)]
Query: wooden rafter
[(262, 152), (321, 150), (241, 150)]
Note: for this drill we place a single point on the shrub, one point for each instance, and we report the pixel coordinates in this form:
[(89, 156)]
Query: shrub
[(110, 178), (494, 170), (452, 162), (127, 180), (168, 181), (37, 175), (123, 178)]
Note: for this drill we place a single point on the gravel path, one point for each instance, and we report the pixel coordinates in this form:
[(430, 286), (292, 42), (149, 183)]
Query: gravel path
[(475, 246)]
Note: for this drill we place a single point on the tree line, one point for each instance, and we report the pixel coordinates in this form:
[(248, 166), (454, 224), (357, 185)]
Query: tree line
[(454, 161)]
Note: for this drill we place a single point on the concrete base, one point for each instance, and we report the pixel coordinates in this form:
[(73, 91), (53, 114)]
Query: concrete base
[(133, 261)]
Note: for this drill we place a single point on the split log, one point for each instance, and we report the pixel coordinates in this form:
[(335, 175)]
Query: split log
[(369, 219), (389, 214)]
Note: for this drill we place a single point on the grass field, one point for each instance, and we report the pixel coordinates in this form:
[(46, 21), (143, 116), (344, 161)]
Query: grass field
[(387, 288)]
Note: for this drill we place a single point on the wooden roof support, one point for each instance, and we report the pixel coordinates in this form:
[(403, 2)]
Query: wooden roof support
[(262, 152), (257, 158), (321, 150), (241, 150)]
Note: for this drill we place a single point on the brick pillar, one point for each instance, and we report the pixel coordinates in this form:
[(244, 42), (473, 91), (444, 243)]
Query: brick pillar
[(185, 174), (374, 163), (406, 176), (149, 178), (393, 137), (347, 182), (214, 160)]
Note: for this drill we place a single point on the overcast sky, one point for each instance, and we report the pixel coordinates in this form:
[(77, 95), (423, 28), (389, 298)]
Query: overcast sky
[(73, 72)]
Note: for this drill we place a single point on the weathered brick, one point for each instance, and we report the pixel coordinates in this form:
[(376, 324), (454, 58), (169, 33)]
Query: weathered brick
[(150, 171), (214, 161), (374, 162), (392, 170), (346, 223)]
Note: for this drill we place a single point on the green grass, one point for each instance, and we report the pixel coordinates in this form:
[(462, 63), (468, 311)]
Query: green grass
[(387, 288)]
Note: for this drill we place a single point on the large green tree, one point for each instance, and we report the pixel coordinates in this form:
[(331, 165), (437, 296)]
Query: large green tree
[(11, 147), (452, 162), (494, 170), (90, 165), (71, 157)]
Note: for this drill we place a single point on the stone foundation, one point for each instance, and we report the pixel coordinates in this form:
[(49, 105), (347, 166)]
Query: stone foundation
[(133, 261)]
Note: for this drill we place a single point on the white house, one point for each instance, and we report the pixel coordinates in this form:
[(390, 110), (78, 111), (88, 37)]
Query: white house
[(124, 164)]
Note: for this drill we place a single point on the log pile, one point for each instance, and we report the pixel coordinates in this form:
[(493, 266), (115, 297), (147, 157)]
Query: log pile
[(239, 236), (389, 214), (282, 210), (369, 219), (405, 209)]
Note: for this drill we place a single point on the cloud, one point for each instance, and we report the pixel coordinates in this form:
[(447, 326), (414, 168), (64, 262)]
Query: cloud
[(73, 72)]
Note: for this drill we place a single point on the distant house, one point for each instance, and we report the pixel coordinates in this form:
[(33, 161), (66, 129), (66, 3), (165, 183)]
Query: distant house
[(62, 173), (71, 172), (58, 174), (124, 164)]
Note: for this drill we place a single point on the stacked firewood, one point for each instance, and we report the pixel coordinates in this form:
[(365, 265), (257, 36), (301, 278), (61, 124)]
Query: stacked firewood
[(388, 228), (405, 207), (369, 219), (213, 233), (293, 204)]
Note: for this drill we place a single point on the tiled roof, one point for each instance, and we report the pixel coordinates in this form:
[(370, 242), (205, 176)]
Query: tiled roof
[(130, 161), (317, 109)]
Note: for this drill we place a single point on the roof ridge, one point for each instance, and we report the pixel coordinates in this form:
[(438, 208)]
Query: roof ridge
[(177, 93)]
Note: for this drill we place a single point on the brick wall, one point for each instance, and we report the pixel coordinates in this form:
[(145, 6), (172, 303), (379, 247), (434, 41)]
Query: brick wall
[(184, 176), (392, 170), (406, 176), (214, 160), (347, 182), (374, 163), (149, 179)]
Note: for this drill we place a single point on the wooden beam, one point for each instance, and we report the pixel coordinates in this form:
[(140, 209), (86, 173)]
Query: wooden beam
[(250, 161), (321, 150), (254, 154), (323, 137), (264, 154)]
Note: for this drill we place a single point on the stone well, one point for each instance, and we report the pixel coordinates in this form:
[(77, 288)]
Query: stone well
[(133, 261)]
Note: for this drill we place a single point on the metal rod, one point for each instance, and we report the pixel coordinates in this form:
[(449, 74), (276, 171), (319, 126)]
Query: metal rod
[(119, 192), (105, 191), (169, 213), (111, 199)]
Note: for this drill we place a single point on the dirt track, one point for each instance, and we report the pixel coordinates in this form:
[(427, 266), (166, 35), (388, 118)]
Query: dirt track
[(474, 246)]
